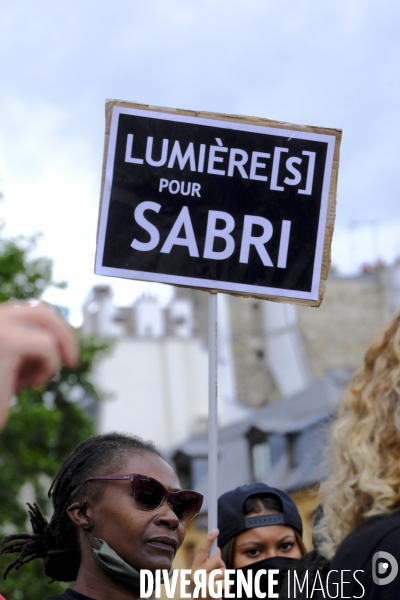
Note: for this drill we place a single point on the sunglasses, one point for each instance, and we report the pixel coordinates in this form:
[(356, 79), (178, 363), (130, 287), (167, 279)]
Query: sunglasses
[(149, 494)]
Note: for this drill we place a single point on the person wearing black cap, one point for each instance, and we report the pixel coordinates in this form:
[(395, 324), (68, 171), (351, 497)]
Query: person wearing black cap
[(259, 528), (263, 514)]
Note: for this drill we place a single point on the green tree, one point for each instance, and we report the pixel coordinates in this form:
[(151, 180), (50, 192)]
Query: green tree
[(45, 423)]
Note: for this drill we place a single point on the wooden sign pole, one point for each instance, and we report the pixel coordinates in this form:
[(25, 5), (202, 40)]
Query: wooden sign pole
[(212, 416)]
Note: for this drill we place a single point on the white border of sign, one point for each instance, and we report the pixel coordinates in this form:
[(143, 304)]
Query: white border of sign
[(204, 283)]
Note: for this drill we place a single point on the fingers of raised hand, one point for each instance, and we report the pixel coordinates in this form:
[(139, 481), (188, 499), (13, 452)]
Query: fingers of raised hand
[(204, 550), (38, 315), (40, 363)]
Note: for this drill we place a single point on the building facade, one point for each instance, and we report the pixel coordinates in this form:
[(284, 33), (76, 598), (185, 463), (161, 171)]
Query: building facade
[(282, 371)]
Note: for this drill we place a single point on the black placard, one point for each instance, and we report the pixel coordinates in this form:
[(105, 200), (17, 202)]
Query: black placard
[(214, 204)]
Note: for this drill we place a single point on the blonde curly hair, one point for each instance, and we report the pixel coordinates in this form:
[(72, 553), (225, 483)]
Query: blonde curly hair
[(365, 445)]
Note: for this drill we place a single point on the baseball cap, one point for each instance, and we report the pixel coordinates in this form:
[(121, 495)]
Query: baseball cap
[(231, 518)]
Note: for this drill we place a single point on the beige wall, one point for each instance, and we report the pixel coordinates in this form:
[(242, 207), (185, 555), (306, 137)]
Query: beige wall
[(254, 383), (337, 334), (306, 502)]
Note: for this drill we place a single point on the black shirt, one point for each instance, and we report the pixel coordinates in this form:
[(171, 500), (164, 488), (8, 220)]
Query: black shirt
[(358, 552), (69, 595)]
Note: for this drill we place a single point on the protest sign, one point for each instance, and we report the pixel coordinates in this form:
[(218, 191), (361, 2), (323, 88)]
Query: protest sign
[(220, 203), (217, 202)]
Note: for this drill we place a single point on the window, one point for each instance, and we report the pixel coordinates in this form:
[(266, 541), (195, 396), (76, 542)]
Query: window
[(260, 455), (191, 470), (261, 459), (183, 469), (199, 470), (292, 446)]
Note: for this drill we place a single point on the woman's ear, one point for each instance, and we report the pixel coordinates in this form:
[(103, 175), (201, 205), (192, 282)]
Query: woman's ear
[(80, 516)]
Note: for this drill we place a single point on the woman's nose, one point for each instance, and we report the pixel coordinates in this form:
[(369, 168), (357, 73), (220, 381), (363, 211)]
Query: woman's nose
[(166, 516)]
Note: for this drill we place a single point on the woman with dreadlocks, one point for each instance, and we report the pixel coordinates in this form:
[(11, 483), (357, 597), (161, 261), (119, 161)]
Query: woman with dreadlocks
[(118, 508)]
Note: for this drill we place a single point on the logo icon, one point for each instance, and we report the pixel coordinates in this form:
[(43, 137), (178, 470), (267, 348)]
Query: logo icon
[(381, 561)]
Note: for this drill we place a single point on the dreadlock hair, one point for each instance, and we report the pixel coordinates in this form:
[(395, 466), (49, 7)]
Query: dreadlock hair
[(56, 542)]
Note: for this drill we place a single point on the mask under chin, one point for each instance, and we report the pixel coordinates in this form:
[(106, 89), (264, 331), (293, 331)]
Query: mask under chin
[(115, 566)]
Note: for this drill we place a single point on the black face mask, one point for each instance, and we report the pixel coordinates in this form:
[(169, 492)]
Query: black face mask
[(282, 563)]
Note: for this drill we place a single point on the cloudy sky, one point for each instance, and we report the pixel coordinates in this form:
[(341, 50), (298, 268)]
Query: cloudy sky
[(333, 64)]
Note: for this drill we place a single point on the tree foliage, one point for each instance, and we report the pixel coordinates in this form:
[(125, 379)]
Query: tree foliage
[(45, 423)]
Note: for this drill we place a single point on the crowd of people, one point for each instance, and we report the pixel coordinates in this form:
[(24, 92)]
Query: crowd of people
[(118, 506)]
